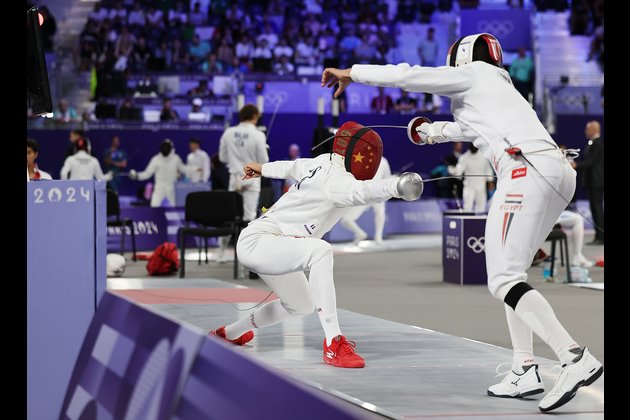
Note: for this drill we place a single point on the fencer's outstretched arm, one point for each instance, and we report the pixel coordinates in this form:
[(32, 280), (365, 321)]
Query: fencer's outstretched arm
[(149, 170), (437, 80), (442, 132), (283, 169), (351, 192)]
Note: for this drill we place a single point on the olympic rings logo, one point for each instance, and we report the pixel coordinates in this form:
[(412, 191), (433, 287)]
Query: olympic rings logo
[(498, 28), (477, 245), (575, 100), (277, 97)]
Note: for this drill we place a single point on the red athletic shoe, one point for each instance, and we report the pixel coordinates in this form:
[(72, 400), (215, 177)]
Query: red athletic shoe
[(341, 353), (241, 341)]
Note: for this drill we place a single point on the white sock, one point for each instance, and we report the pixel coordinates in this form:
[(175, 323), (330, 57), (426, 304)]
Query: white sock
[(323, 292), (536, 312), (379, 224), (522, 341), (269, 314)]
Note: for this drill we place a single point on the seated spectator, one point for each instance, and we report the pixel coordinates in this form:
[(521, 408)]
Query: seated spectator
[(141, 55), (201, 90), (146, 86), (196, 114), (306, 52), (406, 104), (168, 113), (235, 15), (124, 43), (365, 53), (118, 15), (197, 51), (282, 49), (32, 152), (64, 112), (88, 46), (136, 17), (327, 44), (178, 14), (269, 35), (350, 41), (155, 18), (128, 112), (178, 58), (262, 49), (158, 61), (211, 65), (244, 49), (225, 52), (382, 103), (284, 66), (313, 24), (99, 13), (196, 17), (237, 67)]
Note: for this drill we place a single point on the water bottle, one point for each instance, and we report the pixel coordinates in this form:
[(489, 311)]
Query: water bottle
[(547, 270)]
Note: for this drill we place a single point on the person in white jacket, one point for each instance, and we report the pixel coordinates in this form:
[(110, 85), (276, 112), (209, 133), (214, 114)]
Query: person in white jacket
[(199, 159), (535, 183), (82, 165), (475, 192), (349, 221), (166, 166), (287, 239)]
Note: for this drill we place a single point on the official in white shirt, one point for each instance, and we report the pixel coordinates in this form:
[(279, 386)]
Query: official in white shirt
[(535, 183), (198, 158)]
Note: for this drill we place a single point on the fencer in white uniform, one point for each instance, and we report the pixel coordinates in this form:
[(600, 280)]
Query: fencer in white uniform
[(239, 145), (349, 221), (535, 183), (286, 240), (83, 166), (475, 192), (573, 225), (199, 159), (166, 166)]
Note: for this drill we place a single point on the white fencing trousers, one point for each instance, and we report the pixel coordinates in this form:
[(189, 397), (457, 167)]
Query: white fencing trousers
[(573, 221), (475, 198), (523, 211), (281, 261), (250, 190), (160, 192)]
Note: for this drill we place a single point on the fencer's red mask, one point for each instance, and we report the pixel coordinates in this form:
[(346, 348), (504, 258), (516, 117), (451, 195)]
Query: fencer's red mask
[(361, 148)]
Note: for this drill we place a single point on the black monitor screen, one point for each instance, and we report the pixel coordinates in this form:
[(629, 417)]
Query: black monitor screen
[(37, 87)]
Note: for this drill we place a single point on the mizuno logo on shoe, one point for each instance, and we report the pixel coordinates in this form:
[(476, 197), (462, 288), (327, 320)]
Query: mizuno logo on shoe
[(330, 354), (515, 382)]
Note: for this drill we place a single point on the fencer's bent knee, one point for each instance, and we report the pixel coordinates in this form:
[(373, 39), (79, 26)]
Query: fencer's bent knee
[(515, 293)]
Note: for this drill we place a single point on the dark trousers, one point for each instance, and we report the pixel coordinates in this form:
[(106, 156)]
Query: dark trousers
[(596, 200)]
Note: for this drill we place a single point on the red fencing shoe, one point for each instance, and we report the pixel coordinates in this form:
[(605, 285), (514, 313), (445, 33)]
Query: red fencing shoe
[(341, 353), (241, 341)]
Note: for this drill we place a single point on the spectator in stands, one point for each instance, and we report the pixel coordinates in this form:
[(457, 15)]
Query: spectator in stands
[(282, 49), (269, 35), (141, 55), (118, 15), (196, 113), (365, 53), (168, 113), (211, 65), (198, 158), (237, 67), (124, 44), (382, 103), (225, 52), (244, 49), (306, 52), (115, 160), (136, 18), (327, 44), (88, 46), (178, 14), (155, 18), (178, 58), (522, 73), (82, 165), (198, 50), (158, 61), (201, 90), (146, 86), (283, 67), (74, 137), (597, 47), (428, 53), (262, 49), (99, 13), (406, 104), (127, 111), (349, 42), (47, 29), (196, 17), (65, 113), (32, 152)]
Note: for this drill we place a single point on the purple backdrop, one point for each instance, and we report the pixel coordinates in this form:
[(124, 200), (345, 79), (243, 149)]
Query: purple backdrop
[(141, 145), (510, 26)]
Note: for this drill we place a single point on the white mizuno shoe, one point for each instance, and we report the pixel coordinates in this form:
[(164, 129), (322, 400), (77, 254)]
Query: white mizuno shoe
[(516, 385), (583, 372)]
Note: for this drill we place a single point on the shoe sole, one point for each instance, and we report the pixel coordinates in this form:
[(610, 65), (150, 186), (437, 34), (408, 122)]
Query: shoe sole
[(524, 394), (344, 367), (568, 396)]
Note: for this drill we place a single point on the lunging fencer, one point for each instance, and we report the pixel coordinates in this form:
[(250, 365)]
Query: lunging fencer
[(535, 183), (349, 221), (287, 240)]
